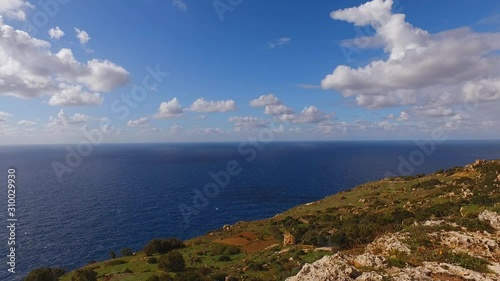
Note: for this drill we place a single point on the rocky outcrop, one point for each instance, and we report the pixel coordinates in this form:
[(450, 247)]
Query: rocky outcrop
[(388, 244), (373, 263), (288, 239), (490, 217), (329, 268)]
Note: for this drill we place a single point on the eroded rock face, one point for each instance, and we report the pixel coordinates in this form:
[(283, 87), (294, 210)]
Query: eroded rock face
[(472, 243), (329, 268), (388, 244), (490, 217), (369, 260)]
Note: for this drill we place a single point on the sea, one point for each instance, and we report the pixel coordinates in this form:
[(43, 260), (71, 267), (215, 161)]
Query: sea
[(73, 204)]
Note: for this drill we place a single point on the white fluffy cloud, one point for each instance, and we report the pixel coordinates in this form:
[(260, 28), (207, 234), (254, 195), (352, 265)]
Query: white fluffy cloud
[(26, 123), (201, 105), (82, 36), (310, 114), (278, 110), (4, 116), (14, 8), (279, 42), (63, 122), (141, 122), (56, 33), (265, 100), (420, 66), (74, 96), (28, 69), (169, 109)]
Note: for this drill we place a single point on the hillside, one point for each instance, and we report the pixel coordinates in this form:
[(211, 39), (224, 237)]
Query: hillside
[(442, 226)]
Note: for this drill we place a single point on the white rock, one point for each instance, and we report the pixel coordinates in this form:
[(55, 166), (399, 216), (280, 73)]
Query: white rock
[(490, 217), (388, 244), (369, 260), (329, 268)]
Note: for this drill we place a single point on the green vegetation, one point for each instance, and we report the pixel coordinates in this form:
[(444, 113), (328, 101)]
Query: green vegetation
[(172, 262), (343, 222)]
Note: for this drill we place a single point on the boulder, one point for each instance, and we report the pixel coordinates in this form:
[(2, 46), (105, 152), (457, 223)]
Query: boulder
[(329, 268), (490, 217)]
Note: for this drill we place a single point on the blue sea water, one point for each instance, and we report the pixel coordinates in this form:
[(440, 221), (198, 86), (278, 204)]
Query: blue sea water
[(124, 195)]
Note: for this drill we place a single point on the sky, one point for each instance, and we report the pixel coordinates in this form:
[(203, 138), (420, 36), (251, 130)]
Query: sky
[(230, 70)]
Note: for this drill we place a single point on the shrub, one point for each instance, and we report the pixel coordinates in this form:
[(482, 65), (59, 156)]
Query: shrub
[(112, 254), (114, 262), (152, 260), (191, 276), (85, 274), (128, 270), (173, 261), (224, 258), (162, 246), (127, 252), (45, 274)]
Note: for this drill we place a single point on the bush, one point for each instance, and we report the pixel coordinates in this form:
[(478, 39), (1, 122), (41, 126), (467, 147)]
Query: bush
[(127, 252), (224, 258), (191, 276), (128, 270), (45, 274), (173, 261), (152, 260), (220, 249), (112, 254), (114, 262), (85, 274), (162, 246)]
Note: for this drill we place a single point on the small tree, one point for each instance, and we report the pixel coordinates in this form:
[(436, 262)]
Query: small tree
[(173, 261), (112, 254), (127, 252), (85, 274)]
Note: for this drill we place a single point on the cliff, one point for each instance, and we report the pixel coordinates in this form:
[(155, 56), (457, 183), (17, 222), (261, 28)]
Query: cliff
[(442, 226)]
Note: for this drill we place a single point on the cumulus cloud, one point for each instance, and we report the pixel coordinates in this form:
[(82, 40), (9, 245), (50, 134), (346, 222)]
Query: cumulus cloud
[(15, 9), (63, 122), (56, 33), (265, 100), (28, 69), (420, 65), (310, 114), (278, 110), (248, 122), (180, 5), (279, 42), (74, 96), (26, 123), (201, 105), (4, 116), (82, 36), (141, 122), (169, 109)]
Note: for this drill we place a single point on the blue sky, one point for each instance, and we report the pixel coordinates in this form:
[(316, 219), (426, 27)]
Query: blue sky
[(402, 78)]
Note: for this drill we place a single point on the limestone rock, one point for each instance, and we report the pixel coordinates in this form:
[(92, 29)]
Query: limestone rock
[(329, 268), (473, 243), (369, 260), (490, 217), (387, 244), (370, 276)]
